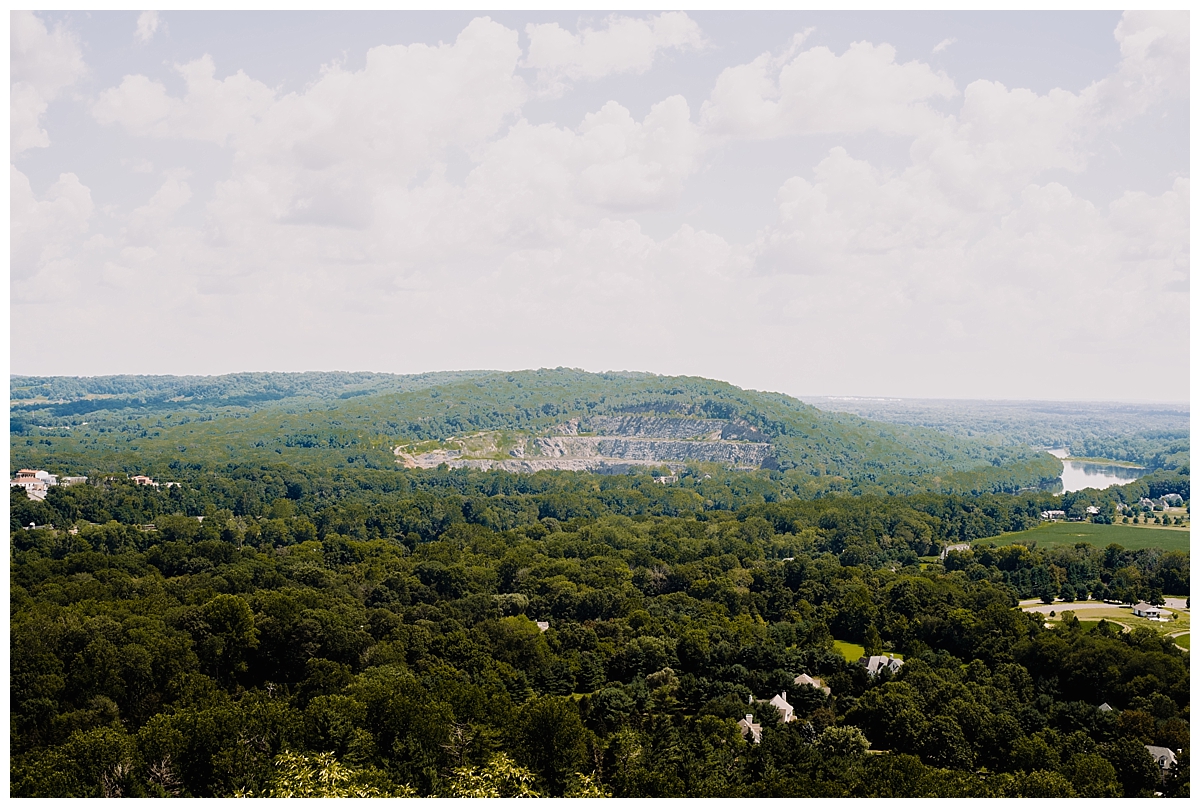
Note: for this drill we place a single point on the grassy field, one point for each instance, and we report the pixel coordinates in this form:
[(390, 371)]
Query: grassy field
[(1128, 536), (849, 651), (1184, 641), (1089, 617)]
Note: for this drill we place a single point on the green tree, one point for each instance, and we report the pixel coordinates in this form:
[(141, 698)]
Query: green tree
[(550, 739)]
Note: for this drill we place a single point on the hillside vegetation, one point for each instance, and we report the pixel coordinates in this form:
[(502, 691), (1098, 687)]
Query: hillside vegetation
[(341, 420)]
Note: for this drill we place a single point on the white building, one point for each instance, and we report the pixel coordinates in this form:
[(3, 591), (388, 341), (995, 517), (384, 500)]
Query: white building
[(875, 664), (786, 711), (1053, 515), (36, 482), (1163, 756), (811, 681), (750, 730), (1144, 609)]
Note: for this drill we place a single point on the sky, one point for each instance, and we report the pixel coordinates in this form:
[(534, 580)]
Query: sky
[(936, 205)]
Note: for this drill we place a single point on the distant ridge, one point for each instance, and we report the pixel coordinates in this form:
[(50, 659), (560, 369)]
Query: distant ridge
[(488, 420)]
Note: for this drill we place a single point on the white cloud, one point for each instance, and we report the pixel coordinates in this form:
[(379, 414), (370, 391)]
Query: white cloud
[(817, 91), (212, 109), (147, 25), (409, 203), (45, 232), (43, 62), (945, 43), (624, 45)]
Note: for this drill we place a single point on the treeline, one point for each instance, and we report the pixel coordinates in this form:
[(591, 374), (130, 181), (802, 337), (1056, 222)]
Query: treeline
[(1154, 435), (394, 632), (396, 503)]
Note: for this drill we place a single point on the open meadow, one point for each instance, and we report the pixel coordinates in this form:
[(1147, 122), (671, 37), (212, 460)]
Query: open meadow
[(1069, 533)]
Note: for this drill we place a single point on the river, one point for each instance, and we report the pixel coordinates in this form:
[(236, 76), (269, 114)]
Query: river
[(1078, 475)]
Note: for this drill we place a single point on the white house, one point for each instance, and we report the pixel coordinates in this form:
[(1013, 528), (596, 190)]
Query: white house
[(1144, 609), (141, 479), (811, 681), (1163, 756), (750, 730), (543, 625), (786, 711), (875, 664), (1052, 515), (1092, 510)]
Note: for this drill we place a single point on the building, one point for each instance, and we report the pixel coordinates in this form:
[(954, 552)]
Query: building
[(954, 548), (1163, 756), (1092, 510), (750, 730), (811, 681), (786, 711), (543, 625), (1172, 499), (1144, 609), (1105, 707), (72, 481), (141, 479), (36, 482), (1053, 515), (875, 664)]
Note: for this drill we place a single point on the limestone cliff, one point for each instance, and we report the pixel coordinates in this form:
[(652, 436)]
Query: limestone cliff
[(612, 443)]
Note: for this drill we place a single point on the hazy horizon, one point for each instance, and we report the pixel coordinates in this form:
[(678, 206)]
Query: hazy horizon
[(800, 396), (974, 206)]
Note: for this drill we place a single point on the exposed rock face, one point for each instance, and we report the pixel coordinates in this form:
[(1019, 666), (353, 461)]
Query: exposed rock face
[(618, 443)]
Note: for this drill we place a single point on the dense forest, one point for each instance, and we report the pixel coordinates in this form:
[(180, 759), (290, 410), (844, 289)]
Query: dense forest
[(376, 633)]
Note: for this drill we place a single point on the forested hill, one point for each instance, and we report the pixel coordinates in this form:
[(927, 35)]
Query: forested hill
[(156, 426)]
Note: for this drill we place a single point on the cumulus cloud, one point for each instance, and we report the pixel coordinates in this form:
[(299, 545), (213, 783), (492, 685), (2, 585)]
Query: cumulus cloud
[(43, 63), (623, 45), (816, 91), (45, 232), (147, 25), (410, 202)]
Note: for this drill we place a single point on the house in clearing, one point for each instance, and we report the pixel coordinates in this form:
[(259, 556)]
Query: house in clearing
[(750, 730), (1143, 609), (811, 681)]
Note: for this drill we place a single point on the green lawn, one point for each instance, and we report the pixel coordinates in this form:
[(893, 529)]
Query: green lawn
[(1129, 537), (849, 651), (1184, 641)]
